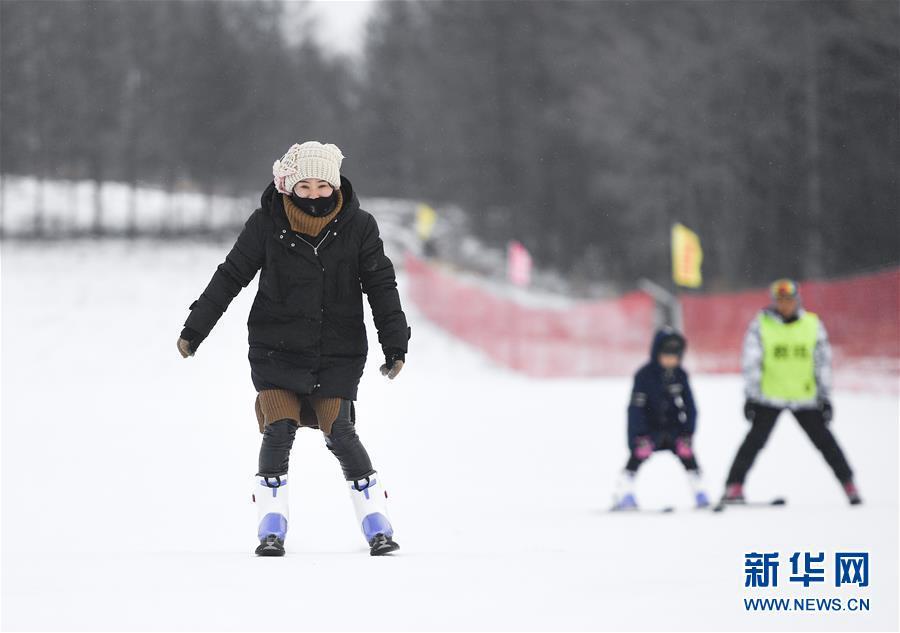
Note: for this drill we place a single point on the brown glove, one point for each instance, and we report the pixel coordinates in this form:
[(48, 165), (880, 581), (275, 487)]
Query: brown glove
[(393, 363), (188, 341), (184, 348)]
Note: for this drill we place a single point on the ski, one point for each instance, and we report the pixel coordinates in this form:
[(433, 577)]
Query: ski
[(776, 502), (636, 510)]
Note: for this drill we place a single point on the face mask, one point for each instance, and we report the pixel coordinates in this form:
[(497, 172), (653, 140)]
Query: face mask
[(316, 207)]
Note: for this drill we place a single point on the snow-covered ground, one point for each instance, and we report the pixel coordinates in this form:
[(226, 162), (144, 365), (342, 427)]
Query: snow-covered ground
[(126, 481)]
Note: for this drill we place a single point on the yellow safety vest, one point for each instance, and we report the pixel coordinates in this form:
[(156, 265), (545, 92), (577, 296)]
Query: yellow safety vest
[(788, 370)]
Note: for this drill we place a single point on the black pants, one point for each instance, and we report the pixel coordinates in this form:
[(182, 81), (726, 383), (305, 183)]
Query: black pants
[(278, 438), (810, 420), (662, 442)]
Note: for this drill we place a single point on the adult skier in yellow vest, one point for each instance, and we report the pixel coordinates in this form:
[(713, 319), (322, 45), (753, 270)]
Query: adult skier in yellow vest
[(786, 362)]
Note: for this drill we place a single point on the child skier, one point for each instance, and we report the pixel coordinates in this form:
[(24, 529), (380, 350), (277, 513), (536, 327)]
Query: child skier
[(318, 252), (786, 361), (661, 416)]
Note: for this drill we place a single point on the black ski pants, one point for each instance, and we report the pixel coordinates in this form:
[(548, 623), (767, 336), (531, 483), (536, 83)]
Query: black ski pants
[(810, 420), (343, 442)]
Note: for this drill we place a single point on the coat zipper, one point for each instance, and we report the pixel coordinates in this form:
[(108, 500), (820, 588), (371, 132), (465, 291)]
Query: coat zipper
[(316, 247), (316, 253)]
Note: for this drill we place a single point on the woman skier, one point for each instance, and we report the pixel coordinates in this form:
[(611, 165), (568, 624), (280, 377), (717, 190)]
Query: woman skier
[(318, 251)]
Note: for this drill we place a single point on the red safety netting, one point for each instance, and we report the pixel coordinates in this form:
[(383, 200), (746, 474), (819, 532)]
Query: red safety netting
[(587, 339), (861, 314), (612, 337)]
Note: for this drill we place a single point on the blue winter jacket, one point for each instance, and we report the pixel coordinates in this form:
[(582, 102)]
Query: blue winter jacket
[(661, 400)]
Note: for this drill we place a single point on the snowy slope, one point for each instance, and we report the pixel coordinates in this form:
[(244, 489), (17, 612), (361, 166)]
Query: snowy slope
[(126, 479)]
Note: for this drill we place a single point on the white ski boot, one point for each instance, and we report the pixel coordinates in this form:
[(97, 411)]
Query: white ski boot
[(623, 498), (370, 503), (701, 499), (271, 499)]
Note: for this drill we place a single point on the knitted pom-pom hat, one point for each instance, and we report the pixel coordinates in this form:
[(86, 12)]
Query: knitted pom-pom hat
[(311, 159)]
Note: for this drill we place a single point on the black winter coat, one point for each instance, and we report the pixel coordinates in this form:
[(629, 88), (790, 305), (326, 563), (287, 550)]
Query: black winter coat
[(306, 328)]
